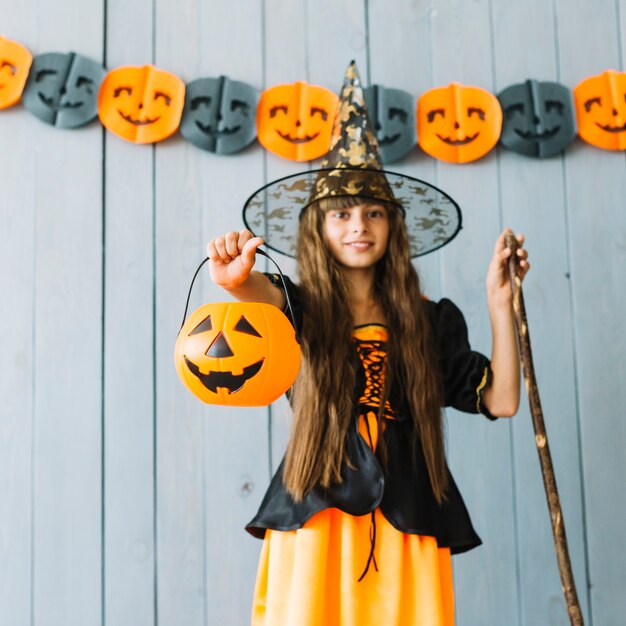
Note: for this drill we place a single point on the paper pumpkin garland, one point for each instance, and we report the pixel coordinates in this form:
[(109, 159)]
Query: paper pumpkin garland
[(15, 61), (142, 104), (538, 118), (458, 123), (62, 89), (392, 112), (295, 121), (219, 115), (237, 353), (601, 110)]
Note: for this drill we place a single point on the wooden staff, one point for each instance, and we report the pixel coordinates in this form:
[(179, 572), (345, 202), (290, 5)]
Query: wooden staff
[(541, 439)]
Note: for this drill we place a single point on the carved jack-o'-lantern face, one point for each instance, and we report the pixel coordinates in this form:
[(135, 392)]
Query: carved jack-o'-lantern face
[(296, 121), (15, 61), (237, 353), (601, 110), (141, 104), (219, 114), (457, 123), (62, 89)]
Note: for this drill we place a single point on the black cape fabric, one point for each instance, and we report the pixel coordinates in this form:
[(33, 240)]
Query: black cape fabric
[(402, 488)]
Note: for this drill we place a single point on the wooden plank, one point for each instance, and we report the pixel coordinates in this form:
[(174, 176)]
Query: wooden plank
[(19, 133), (486, 588), (129, 589), (532, 202), (66, 186), (212, 461), (595, 189)]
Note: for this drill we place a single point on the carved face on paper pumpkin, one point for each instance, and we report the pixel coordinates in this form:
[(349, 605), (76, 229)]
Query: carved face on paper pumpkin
[(538, 118), (141, 104), (295, 121), (15, 61), (62, 89), (601, 110), (237, 353), (392, 112), (458, 123), (219, 115)]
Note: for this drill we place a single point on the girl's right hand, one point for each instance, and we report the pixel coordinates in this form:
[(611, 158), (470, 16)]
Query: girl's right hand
[(232, 257)]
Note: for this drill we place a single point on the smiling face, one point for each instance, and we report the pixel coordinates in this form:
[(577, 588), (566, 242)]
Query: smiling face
[(237, 353), (15, 61), (601, 110), (295, 121), (393, 114), (458, 124), (62, 89), (141, 104), (357, 236), (219, 115), (538, 118)]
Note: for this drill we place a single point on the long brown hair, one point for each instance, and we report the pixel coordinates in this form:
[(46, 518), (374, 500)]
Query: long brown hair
[(323, 394)]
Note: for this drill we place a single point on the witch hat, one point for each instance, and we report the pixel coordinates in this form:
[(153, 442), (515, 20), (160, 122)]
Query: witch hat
[(352, 167)]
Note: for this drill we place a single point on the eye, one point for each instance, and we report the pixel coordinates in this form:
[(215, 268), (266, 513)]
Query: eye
[(319, 111), (399, 113), (475, 111), (433, 114), (203, 326), (240, 105), (244, 326), (120, 90), (554, 105), (510, 111), (12, 68), (84, 81), (41, 74), (275, 110), (164, 96), (196, 102), (589, 103)]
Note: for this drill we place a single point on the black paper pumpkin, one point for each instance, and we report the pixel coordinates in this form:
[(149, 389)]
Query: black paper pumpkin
[(538, 119), (62, 89), (392, 112), (219, 114)]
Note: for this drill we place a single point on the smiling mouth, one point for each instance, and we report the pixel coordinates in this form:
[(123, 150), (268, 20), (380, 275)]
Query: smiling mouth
[(134, 122), (612, 129), (297, 139), (226, 131), (49, 102), (387, 140), (360, 245), (548, 134), (225, 380), (458, 142)]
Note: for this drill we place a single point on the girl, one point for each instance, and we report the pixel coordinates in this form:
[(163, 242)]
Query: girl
[(362, 515)]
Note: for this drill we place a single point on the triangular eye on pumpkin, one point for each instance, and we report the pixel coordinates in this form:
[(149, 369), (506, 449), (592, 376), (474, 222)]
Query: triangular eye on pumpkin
[(237, 353), (538, 118), (15, 61), (141, 104), (295, 121), (62, 89), (458, 123), (601, 110)]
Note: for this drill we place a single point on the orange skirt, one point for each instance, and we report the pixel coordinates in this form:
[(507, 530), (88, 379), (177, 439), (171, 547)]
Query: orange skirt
[(310, 576)]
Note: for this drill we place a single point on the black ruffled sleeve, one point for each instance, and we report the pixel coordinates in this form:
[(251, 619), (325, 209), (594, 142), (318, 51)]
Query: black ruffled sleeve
[(465, 373), (294, 298)]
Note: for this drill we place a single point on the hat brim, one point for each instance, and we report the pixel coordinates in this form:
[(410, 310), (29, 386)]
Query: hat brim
[(273, 212)]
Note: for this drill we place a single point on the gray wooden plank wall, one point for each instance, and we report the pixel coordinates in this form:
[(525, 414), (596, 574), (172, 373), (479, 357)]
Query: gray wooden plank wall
[(122, 499)]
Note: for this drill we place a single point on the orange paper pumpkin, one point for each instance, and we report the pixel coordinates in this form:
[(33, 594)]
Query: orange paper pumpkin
[(296, 121), (601, 110), (458, 123), (15, 62), (237, 353), (141, 104)]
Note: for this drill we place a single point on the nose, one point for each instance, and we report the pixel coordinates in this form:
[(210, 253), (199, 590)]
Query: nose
[(358, 223)]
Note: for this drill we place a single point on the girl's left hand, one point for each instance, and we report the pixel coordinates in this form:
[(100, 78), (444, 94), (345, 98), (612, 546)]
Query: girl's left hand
[(498, 283)]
